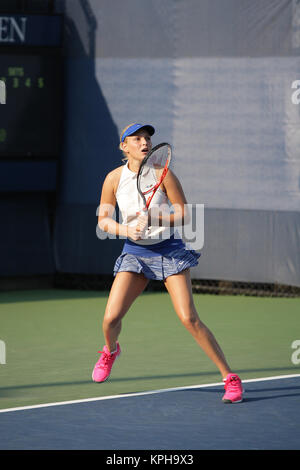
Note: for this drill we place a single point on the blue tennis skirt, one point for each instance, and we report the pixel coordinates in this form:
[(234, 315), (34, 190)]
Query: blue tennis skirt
[(157, 267)]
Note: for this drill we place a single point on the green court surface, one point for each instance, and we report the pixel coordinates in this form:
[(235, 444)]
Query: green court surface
[(52, 337)]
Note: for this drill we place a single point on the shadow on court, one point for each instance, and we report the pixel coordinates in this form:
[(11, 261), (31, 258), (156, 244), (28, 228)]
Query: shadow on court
[(98, 387), (248, 399)]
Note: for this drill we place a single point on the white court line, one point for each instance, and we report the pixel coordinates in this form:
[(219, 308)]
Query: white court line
[(139, 394)]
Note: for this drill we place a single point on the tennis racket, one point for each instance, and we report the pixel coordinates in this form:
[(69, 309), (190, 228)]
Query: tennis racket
[(152, 172)]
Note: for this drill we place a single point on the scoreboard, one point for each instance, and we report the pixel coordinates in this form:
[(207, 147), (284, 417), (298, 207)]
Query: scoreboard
[(31, 74), (31, 119)]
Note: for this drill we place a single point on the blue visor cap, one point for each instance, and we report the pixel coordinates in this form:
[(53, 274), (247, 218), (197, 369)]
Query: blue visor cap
[(136, 127)]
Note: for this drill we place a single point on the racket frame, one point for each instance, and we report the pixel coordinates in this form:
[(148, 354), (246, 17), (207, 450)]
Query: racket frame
[(156, 186)]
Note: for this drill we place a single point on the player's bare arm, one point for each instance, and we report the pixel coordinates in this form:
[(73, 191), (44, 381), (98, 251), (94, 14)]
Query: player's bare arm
[(107, 206)]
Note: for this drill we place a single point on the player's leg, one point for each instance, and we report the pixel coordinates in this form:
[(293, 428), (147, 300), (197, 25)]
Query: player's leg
[(125, 289), (127, 286), (180, 289)]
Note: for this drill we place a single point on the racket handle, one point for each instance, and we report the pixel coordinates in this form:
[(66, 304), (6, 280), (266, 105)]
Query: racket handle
[(143, 213), (143, 220)]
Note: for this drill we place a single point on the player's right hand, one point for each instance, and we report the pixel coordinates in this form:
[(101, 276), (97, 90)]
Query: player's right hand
[(134, 233)]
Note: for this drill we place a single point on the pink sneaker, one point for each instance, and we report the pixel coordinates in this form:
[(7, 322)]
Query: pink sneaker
[(103, 366), (233, 389)]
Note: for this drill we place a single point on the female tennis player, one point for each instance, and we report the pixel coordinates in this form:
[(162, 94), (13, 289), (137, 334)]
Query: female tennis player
[(152, 250)]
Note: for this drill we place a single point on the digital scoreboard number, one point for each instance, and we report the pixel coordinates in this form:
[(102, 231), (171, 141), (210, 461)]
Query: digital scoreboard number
[(31, 118)]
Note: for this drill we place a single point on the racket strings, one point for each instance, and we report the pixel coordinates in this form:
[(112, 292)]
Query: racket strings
[(153, 169)]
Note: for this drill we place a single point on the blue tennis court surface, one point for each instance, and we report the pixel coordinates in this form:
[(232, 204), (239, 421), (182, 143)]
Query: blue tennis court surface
[(193, 418)]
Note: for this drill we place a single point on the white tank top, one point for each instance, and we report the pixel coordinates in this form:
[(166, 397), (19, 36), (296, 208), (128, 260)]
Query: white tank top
[(130, 202)]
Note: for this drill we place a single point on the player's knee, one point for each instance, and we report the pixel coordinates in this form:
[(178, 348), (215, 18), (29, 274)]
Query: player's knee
[(111, 320), (189, 319)]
